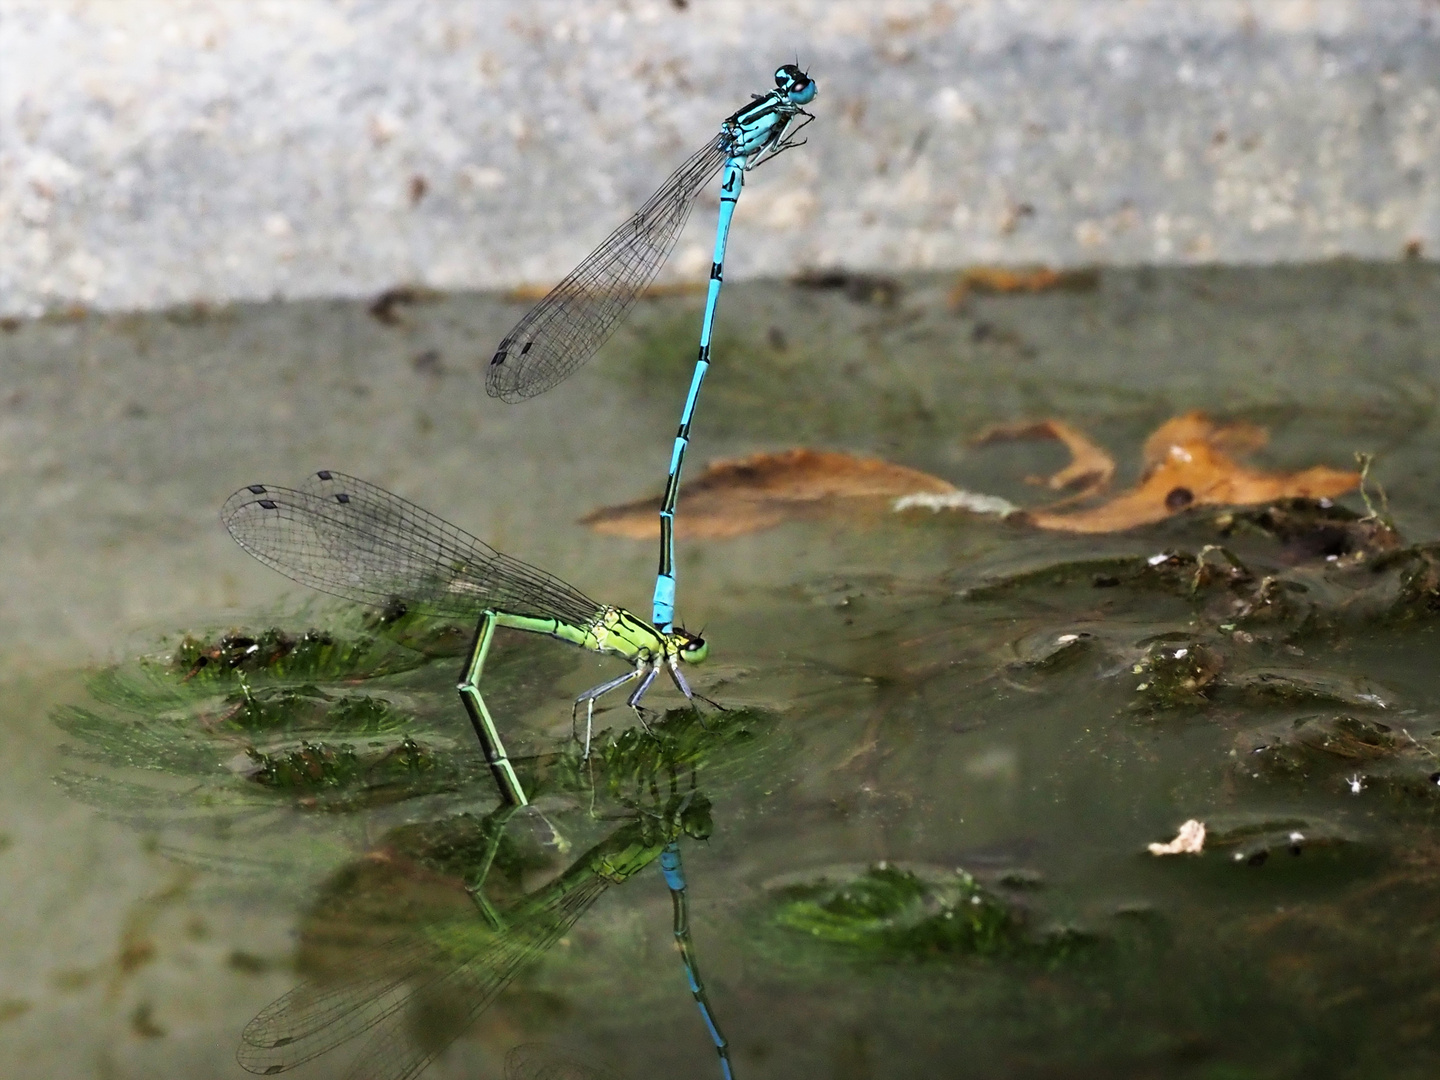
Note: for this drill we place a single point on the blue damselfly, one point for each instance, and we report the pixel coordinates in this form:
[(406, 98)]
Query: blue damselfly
[(576, 317)]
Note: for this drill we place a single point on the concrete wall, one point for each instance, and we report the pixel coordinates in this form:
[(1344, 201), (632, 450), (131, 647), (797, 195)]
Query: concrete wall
[(162, 151)]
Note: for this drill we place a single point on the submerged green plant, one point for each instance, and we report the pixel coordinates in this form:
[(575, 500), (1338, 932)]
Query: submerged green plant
[(251, 715), (627, 765), (276, 654), (893, 913)]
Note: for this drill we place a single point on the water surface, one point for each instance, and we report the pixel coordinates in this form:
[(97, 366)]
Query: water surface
[(941, 714)]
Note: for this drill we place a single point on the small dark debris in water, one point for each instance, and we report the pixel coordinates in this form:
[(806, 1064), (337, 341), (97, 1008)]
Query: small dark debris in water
[(9, 324), (1414, 248), (1419, 592), (427, 363), (1168, 572), (142, 1022), (1050, 652), (384, 307), (861, 288), (1308, 688), (393, 611), (247, 962), (418, 186), (1312, 529), (241, 652), (1324, 752), (777, 339), (1251, 843), (136, 953), (1177, 675), (10, 1008)]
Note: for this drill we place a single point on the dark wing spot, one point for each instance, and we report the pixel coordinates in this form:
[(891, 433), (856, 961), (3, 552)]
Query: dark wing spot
[(342, 498), (324, 474), (268, 504), (256, 489)]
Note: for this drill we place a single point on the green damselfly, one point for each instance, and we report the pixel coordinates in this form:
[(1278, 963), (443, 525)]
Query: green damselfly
[(351, 539)]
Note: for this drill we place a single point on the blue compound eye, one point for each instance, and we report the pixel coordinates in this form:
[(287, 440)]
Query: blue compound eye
[(798, 86)]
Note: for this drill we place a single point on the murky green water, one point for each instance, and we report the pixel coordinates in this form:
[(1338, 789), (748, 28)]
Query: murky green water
[(915, 842)]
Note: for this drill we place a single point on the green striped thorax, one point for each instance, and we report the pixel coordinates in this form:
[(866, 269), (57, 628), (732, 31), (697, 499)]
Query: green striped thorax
[(615, 632)]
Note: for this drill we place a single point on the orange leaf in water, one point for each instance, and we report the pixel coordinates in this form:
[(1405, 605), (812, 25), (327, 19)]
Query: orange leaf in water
[(744, 495), (1188, 463), (1090, 468)]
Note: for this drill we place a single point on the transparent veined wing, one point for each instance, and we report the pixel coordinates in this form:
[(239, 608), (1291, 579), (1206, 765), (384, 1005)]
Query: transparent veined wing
[(575, 318), (351, 539)]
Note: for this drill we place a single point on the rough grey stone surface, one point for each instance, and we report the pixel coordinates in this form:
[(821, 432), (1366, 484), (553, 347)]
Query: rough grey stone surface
[(155, 152)]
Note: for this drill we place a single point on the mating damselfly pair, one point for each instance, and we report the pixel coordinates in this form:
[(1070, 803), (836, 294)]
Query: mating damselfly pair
[(352, 539), (349, 538)]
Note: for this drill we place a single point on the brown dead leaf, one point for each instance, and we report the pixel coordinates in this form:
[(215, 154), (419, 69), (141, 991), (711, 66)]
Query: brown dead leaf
[(1091, 468), (1188, 463), (1236, 438), (1032, 279), (745, 495)]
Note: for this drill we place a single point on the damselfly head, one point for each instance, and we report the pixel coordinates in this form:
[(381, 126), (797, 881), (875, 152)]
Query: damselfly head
[(795, 84), (692, 648)]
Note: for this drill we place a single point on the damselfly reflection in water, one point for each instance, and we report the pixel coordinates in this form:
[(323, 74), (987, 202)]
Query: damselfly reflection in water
[(576, 317), (464, 960), (352, 539)]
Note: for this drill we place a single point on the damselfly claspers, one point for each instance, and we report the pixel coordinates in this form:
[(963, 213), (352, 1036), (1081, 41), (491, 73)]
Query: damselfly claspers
[(352, 539), (576, 317)]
